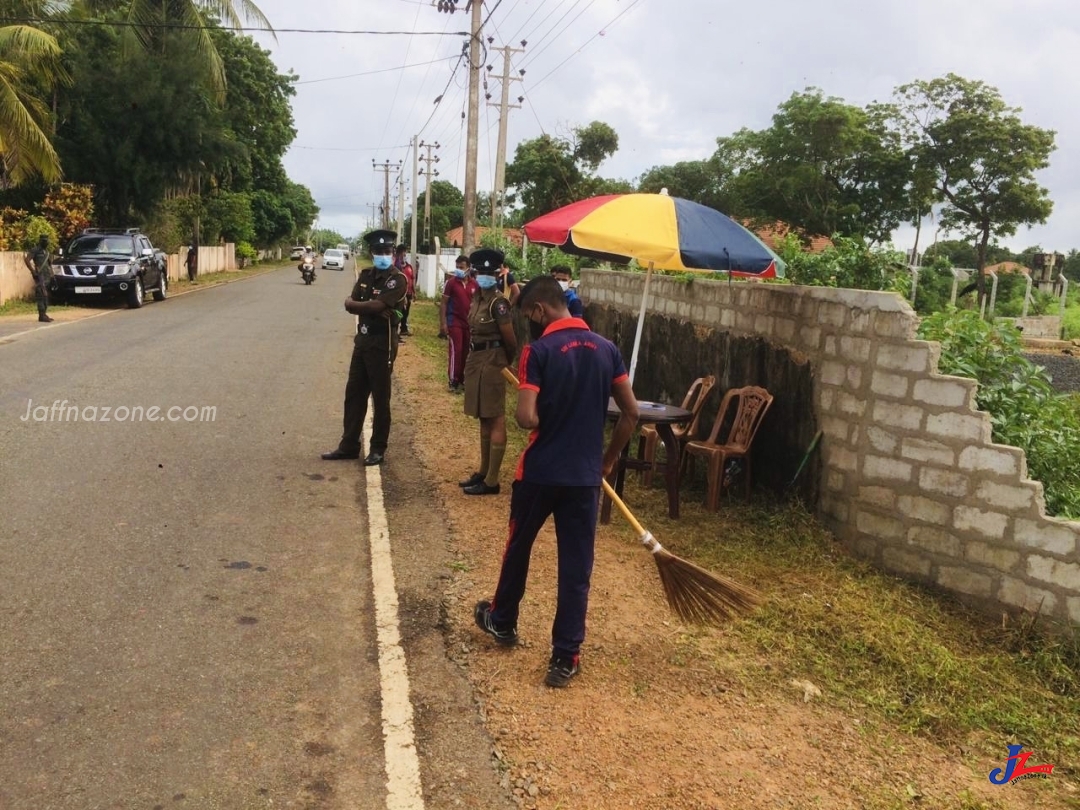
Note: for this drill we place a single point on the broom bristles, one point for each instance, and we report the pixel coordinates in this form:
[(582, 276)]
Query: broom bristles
[(698, 596)]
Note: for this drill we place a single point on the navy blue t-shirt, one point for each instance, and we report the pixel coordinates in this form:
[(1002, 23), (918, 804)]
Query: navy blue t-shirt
[(572, 370)]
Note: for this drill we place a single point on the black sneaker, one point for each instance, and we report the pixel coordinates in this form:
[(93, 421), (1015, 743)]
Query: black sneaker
[(482, 614), (472, 480), (561, 670)]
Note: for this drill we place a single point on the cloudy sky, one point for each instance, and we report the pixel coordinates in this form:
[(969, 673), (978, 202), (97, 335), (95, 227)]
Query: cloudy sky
[(669, 75)]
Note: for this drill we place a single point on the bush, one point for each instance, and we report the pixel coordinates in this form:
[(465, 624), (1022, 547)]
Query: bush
[(847, 263), (245, 254), (1024, 409), (35, 227)]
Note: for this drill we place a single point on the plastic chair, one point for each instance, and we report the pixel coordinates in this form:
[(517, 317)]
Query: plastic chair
[(693, 402), (749, 405)]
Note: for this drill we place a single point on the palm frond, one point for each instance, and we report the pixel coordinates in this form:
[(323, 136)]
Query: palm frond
[(24, 148)]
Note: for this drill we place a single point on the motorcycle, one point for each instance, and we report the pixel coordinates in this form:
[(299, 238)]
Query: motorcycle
[(307, 269)]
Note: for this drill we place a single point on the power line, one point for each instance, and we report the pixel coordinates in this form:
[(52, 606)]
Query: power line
[(397, 88), (189, 27), (586, 42), (349, 149), (373, 72), (536, 53)]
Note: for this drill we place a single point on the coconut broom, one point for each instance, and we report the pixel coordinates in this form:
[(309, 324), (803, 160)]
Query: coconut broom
[(695, 595)]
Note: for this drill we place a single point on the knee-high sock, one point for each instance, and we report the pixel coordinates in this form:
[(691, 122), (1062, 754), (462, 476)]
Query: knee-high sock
[(494, 464), (485, 454)]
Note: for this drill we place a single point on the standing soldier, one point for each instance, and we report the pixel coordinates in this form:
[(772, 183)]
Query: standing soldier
[(492, 348), (376, 300), (37, 261), (453, 321)]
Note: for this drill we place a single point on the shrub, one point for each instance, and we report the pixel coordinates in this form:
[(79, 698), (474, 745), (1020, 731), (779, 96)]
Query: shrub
[(245, 254), (1024, 409)]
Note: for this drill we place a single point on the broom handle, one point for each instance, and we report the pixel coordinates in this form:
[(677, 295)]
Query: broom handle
[(608, 489)]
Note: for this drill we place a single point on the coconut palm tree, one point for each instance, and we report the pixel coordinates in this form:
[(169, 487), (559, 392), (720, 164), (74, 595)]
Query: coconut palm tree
[(29, 62), (190, 17)]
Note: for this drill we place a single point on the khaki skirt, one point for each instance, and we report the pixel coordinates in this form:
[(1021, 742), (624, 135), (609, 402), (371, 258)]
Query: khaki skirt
[(485, 386)]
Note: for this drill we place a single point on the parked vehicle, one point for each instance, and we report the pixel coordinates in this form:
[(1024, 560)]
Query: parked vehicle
[(101, 263), (334, 259)]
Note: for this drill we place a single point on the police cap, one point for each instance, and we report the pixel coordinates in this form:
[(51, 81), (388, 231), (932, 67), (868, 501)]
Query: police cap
[(487, 261), (381, 239)]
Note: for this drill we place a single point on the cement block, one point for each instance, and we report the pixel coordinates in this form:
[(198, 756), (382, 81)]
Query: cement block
[(1073, 603), (880, 526), (988, 524), (887, 469), (1000, 559), (810, 338), (882, 440), (1047, 535), (885, 384), (923, 509), (1054, 572), (964, 581), (934, 540), (1004, 496), (841, 458), (850, 404), (909, 356), (952, 392), (972, 427), (894, 325), (835, 481), (991, 459), (833, 427), (1019, 593), (905, 562), (925, 450), (833, 373), (944, 482), (855, 348), (893, 414), (882, 497)]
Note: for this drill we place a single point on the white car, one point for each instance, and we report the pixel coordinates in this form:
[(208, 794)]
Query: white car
[(333, 259), (297, 252)]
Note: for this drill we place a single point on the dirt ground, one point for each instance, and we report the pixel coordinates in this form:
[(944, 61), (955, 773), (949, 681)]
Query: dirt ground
[(656, 720)]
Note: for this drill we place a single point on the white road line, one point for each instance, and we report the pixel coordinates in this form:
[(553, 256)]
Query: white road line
[(403, 788)]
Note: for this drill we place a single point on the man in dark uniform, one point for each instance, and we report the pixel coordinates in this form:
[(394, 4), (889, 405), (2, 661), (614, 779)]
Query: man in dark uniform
[(376, 300), (37, 261), (492, 348)]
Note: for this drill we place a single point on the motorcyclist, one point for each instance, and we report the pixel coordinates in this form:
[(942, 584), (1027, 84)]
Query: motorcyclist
[(307, 259)]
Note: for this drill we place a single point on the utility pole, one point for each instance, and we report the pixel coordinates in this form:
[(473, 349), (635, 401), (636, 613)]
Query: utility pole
[(468, 231), (504, 108), (415, 181), (374, 211), (401, 206), (427, 189), (385, 167)]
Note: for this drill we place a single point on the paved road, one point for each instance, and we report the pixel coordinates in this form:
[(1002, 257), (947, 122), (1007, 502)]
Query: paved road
[(187, 613)]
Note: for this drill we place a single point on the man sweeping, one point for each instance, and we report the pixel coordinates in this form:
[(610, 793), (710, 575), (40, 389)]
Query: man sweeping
[(567, 373)]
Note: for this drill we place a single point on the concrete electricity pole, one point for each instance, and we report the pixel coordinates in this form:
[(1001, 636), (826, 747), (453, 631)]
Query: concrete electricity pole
[(504, 108), (401, 206), (468, 234), (427, 189), (385, 168), (415, 180)]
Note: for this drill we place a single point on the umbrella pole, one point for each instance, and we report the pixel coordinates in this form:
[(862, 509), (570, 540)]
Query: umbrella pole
[(640, 323)]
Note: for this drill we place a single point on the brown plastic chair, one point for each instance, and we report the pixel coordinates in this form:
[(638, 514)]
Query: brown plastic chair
[(749, 405), (693, 402)]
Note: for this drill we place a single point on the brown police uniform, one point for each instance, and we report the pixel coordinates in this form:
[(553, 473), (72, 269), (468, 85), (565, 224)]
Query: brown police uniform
[(485, 387), (374, 349)]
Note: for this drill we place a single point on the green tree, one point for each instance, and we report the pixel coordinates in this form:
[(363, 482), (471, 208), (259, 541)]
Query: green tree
[(229, 216), (297, 198), (962, 253), (549, 172), (29, 61), (982, 157), (697, 180), (271, 217), (824, 167)]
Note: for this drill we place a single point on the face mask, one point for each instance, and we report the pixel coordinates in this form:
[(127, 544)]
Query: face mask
[(536, 330), (459, 273), (565, 285), (382, 262), (486, 282)]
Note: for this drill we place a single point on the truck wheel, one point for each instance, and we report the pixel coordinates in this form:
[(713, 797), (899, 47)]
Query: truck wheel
[(136, 294), (162, 288)]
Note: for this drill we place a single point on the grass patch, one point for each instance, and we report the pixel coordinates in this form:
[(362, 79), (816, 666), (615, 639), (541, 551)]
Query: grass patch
[(877, 646), (25, 306), (206, 279), (1070, 322)]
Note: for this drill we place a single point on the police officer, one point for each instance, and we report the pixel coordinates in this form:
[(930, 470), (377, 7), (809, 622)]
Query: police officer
[(37, 261), (493, 344), (377, 300)]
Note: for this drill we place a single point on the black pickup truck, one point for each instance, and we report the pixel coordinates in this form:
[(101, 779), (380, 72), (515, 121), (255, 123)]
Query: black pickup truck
[(100, 263)]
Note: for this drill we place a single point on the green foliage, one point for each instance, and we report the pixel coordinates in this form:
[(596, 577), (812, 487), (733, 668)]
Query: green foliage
[(847, 263), (1024, 409), (981, 156), (824, 167), (323, 238), (245, 254), (36, 227), (229, 217), (697, 180)]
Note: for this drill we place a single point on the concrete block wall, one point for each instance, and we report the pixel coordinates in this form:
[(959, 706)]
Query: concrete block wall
[(910, 478)]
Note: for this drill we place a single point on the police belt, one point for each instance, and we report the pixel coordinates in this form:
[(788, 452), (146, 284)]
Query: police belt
[(488, 344)]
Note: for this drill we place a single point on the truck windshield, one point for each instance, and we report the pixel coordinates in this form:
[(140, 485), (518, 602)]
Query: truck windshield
[(102, 246)]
